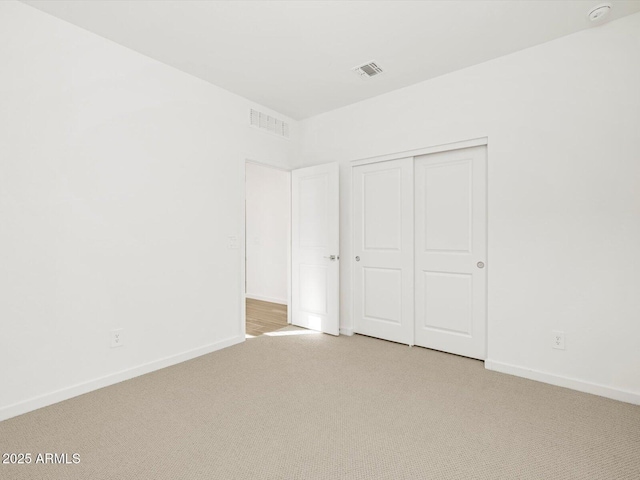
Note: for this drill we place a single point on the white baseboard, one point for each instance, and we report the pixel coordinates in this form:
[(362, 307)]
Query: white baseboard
[(560, 381), (265, 299), (85, 387), (348, 331)]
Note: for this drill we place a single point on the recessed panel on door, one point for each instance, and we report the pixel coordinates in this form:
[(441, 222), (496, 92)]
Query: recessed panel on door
[(448, 302), (450, 251), (382, 205), (313, 281), (312, 211), (383, 250), (382, 294), (447, 206)]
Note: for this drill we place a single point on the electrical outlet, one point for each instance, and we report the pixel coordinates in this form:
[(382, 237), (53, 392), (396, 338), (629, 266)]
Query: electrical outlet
[(117, 338), (558, 340)]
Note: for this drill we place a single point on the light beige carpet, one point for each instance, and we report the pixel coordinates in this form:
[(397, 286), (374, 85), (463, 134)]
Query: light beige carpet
[(312, 406)]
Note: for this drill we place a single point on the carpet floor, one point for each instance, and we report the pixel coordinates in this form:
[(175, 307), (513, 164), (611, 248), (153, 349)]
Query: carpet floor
[(294, 405)]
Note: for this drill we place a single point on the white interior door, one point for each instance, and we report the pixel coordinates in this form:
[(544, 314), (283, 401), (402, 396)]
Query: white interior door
[(314, 248), (450, 250), (383, 250)]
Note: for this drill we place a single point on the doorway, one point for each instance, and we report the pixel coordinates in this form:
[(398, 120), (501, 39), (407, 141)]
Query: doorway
[(267, 248)]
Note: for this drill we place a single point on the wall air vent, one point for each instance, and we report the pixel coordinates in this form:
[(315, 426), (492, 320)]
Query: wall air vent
[(368, 70), (268, 123)]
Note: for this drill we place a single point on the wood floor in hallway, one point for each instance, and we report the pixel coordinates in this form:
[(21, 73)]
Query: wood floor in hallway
[(263, 317)]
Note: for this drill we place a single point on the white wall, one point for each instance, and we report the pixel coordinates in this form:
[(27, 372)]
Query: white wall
[(267, 232), (120, 181), (563, 122)]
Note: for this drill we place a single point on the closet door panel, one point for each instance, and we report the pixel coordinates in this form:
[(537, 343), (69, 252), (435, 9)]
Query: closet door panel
[(383, 250), (450, 251)]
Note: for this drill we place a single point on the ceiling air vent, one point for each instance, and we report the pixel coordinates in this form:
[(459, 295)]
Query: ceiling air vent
[(368, 70), (268, 123)]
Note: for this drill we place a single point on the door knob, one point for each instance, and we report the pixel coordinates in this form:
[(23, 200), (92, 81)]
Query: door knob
[(331, 257), (357, 259), (480, 264)]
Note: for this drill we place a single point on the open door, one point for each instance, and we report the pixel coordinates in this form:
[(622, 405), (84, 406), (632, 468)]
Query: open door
[(314, 248)]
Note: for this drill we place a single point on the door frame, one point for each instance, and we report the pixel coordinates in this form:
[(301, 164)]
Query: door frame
[(242, 239), (473, 142), (444, 147)]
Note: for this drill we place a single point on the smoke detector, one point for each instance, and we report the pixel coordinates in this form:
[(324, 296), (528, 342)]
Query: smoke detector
[(598, 12), (368, 70)]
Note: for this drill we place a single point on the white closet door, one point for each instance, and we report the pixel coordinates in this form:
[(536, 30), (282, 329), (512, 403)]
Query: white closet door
[(315, 271), (450, 251), (383, 250)]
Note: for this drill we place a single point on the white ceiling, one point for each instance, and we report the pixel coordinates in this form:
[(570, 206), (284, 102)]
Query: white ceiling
[(296, 57)]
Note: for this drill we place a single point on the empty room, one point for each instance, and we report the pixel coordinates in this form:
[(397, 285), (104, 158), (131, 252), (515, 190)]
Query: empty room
[(319, 239)]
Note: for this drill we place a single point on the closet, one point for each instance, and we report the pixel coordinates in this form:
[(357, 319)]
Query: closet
[(420, 248)]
